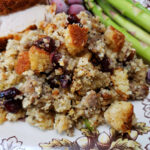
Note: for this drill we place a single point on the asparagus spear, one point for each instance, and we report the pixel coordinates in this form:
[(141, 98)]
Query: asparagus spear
[(97, 10), (137, 4), (131, 28), (141, 48), (134, 13)]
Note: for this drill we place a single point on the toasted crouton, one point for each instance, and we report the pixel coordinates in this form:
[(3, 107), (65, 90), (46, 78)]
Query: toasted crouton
[(121, 83), (75, 38), (23, 63), (119, 116), (40, 59), (114, 39)]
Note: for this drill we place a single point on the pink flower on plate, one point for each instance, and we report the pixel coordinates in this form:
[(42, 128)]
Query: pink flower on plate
[(11, 143)]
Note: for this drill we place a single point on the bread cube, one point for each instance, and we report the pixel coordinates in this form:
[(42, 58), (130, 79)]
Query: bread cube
[(40, 59), (119, 116), (23, 63), (75, 39), (121, 83), (114, 39)]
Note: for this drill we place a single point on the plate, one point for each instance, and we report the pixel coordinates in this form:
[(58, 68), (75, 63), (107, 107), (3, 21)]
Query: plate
[(22, 136)]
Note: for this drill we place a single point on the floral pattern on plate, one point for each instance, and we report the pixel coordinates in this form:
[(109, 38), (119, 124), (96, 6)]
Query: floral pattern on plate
[(147, 147), (11, 143), (101, 141), (146, 108)]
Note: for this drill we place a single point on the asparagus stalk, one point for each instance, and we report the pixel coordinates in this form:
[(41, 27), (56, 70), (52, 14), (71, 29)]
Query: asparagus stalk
[(141, 48), (131, 28), (97, 10), (134, 13), (137, 4)]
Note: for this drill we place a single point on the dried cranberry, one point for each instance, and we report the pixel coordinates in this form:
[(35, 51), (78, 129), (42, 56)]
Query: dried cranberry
[(3, 44), (55, 57), (105, 65), (131, 56), (95, 60), (130, 78), (73, 19), (53, 83), (148, 77), (46, 43), (65, 80), (12, 106), (9, 93)]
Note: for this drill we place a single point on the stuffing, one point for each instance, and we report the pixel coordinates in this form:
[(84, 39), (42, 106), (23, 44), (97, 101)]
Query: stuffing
[(84, 76), (40, 119), (62, 123), (40, 59), (119, 116), (75, 38), (62, 103), (90, 100), (137, 70), (32, 89), (114, 39), (139, 91), (107, 97), (89, 107), (23, 63), (96, 119), (121, 83), (16, 116), (67, 72)]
